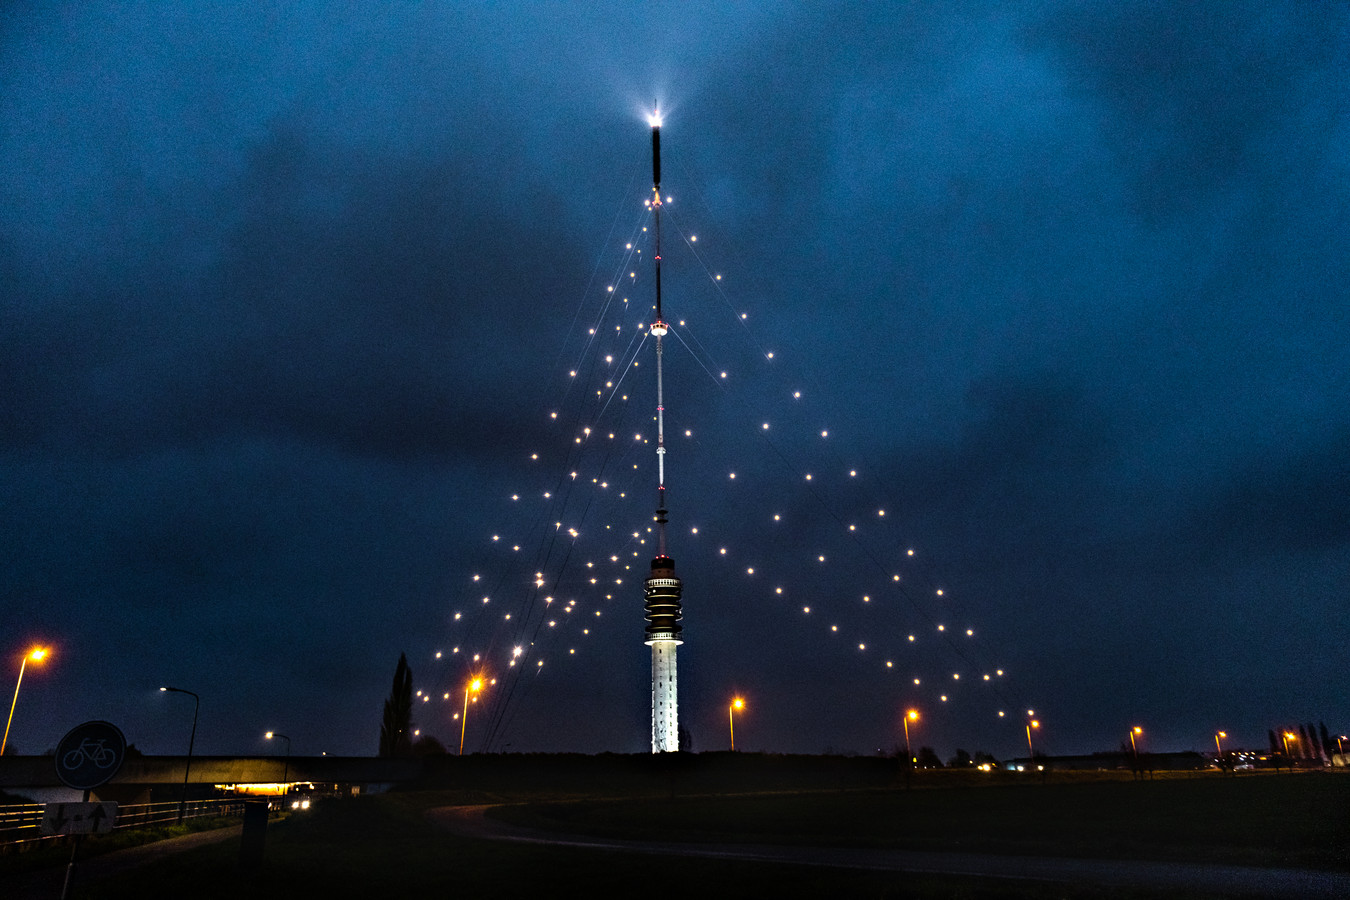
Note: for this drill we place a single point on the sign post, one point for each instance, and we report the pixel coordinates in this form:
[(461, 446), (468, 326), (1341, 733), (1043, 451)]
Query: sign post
[(87, 757)]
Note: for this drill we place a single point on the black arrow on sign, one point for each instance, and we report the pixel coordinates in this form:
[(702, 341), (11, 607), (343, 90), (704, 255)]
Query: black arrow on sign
[(60, 821), (98, 815)]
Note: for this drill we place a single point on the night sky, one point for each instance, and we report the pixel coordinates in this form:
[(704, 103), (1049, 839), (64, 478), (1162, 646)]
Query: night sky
[(290, 295)]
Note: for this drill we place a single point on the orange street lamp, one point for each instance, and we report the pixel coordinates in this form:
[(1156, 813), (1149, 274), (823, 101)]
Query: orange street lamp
[(285, 769), (736, 703), (37, 655), (1133, 746), (1289, 736), (475, 686), (192, 739), (1032, 753), (1217, 745), (910, 716)]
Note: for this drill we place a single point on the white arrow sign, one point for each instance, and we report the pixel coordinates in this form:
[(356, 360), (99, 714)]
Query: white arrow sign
[(78, 818)]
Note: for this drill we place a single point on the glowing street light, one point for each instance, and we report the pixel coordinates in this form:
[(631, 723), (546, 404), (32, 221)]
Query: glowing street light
[(1218, 746), (474, 686), (1136, 730), (910, 716), (1030, 752), (1289, 736), (37, 655), (736, 703), (286, 768), (196, 707)]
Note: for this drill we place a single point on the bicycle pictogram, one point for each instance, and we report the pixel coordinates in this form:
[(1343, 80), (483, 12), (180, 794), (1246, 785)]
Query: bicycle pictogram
[(91, 750)]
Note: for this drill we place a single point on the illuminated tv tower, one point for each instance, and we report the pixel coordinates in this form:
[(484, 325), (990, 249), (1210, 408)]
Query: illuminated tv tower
[(663, 588)]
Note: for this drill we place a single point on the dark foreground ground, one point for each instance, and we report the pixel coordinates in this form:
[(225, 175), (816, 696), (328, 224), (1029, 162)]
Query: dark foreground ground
[(388, 845)]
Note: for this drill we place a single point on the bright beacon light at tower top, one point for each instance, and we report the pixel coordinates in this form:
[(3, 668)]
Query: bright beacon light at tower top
[(654, 118)]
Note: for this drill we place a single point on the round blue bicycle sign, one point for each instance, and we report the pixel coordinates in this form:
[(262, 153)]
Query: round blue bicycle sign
[(90, 755)]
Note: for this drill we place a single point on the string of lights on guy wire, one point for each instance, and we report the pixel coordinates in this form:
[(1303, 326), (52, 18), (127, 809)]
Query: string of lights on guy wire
[(569, 547)]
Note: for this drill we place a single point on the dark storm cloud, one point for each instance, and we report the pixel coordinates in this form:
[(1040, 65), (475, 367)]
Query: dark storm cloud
[(344, 308), (1199, 97), (1292, 507), (1027, 428)]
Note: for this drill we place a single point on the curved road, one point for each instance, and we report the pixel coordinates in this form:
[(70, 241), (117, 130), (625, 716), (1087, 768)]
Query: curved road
[(1229, 881)]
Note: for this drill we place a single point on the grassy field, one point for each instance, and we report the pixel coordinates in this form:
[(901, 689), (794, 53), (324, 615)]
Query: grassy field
[(1300, 821), (380, 846)]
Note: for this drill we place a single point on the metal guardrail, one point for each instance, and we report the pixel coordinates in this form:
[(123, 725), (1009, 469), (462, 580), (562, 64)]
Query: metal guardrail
[(21, 823)]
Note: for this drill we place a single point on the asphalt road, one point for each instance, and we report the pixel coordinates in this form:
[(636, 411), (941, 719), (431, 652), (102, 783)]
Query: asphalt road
[(1228, 881)]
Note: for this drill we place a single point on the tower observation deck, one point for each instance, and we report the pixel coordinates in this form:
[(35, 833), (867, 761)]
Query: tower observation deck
[(663, 588)]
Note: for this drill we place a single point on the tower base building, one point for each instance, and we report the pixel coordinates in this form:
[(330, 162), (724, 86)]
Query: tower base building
[(663, 590)]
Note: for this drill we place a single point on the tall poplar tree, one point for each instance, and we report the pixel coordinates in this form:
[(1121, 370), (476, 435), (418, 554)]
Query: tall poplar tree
[(1319, 752), (396, 726)]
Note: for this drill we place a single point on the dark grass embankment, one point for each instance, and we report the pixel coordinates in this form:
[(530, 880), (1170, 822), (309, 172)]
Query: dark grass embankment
[(639, 774), (56, 852), (1292, 821)]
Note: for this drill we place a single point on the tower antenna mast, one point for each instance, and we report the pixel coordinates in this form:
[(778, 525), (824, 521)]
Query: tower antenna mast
[(663, 589)]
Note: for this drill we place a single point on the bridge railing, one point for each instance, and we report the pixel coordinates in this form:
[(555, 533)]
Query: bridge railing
[(21, 823)]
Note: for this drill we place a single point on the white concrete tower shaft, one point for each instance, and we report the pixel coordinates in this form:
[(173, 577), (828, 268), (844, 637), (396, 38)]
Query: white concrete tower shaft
[(663, 589)]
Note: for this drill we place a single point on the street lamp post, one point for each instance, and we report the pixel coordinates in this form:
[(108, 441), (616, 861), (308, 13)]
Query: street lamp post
[(37, 655), (1219, 747), (476, 685), (1031, 752), (910, 716), (196, 707), (736, 703), (286, 767)]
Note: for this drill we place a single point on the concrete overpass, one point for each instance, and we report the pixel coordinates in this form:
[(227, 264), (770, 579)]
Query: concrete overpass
[(139, 776)]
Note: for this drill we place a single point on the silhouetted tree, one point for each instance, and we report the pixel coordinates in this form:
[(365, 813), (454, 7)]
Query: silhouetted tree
[(427, 745), (396, 727), (983, 758), (1305, 746), (1328, 742), (1275, 747), (1315, 743), (685, 739), (1138, 762), (961, 760), (928, 758)]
